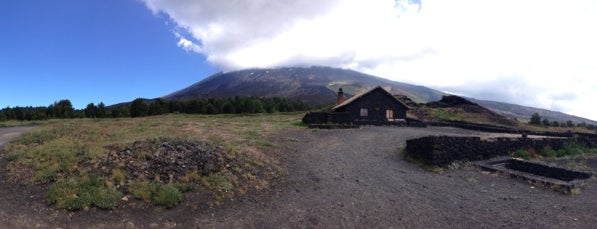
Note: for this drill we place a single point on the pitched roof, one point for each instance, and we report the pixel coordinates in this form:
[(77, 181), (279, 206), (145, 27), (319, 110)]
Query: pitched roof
[(355, 97)]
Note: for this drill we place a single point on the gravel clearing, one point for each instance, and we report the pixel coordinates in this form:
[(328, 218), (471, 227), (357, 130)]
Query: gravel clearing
[(352, 178)]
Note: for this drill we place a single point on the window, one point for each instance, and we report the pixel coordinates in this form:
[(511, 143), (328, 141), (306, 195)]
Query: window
[(364, 112), (390, 114)]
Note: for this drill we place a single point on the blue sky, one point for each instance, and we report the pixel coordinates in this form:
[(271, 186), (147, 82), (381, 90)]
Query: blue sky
[(90, 51), (538, 53)]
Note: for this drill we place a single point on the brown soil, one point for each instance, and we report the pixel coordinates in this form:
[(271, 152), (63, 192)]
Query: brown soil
[(351, 178)]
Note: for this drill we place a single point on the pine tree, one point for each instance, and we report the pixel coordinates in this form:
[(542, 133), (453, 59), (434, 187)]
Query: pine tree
[(535, 119), (101, 110), (138, 108), (91, 111)]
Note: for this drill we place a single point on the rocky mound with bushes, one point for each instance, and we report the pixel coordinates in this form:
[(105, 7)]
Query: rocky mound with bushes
[(164, 159), (159, 171)]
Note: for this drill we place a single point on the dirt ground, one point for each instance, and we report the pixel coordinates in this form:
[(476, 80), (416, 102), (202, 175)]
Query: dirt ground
[(351, 178)]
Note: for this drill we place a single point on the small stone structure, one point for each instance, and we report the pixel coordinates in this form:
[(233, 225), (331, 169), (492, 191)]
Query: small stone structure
[(442, 150), (565, 180)]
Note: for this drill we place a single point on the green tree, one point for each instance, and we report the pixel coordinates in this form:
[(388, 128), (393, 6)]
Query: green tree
[(101, 110), (139, 108), (210, 109), (158, 107), (3, 116), (228, 108), (569, 123), (91, 111), (63, 109), (535, 119), (555, 123), (546, 122), (257, 106)]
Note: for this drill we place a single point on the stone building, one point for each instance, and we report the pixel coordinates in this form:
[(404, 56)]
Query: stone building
[(375, 106)]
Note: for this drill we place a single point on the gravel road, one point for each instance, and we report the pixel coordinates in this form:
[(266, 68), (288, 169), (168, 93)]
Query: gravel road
[(356, 179)]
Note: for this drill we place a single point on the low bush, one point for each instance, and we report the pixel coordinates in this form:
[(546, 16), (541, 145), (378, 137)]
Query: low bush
[(166, 195), (548, 152), (83, 192), (218, 182), (521, 153)]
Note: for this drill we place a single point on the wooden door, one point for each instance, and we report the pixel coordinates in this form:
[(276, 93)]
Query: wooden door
[(390, 115)]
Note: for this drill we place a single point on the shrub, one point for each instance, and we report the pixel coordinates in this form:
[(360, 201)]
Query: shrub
[(118, 176), (218, 182), (569, 149), (142, 190), (521, 153), (45, 175), (548, 152), (37, 137), (574, 148), (165, 195), (82, 192)]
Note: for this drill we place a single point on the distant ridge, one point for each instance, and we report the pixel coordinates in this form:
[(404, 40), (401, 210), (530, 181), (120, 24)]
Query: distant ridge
[(318, 86), (314, 85)]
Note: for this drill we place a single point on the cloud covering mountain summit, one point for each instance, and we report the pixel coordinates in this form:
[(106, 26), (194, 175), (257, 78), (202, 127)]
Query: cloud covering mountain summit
[(536, 50)]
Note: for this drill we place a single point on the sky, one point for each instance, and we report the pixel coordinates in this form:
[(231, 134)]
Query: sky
[(540, 53)]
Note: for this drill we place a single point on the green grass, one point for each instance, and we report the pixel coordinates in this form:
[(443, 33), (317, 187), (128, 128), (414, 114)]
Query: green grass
[(165, 195), (13, 123), (569, 149), (443, 114), (77, 193), (60, 152)]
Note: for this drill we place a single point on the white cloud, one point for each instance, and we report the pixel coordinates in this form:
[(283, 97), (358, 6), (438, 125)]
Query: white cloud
[(535, 52), (187, 44)]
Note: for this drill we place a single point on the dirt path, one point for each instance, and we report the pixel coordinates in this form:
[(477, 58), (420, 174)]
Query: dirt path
[(346, 179), (10, 133)]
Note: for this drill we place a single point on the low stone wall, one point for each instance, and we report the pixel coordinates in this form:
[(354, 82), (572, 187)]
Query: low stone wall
[(442, 150), (477, 127), (546, 171)]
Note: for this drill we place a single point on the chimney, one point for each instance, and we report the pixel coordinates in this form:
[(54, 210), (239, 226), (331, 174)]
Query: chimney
[(340, 96)]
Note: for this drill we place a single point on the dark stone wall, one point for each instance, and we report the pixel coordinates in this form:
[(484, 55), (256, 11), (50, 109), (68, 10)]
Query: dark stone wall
[(547, 171), (442, 150), (315, 118)]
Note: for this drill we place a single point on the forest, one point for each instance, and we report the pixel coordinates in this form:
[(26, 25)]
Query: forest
[(149, 107)]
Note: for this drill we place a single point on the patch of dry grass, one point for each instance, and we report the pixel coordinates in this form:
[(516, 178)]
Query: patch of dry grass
[(55, 150)]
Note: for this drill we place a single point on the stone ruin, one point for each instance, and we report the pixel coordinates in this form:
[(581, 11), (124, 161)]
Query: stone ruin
[(565, 180), (443, 150)]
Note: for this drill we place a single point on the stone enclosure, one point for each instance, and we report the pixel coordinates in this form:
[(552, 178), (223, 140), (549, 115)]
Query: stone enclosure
[(565, 180), (442, 150)]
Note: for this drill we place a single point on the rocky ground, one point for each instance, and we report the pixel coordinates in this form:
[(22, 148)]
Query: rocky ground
[(351, 178)]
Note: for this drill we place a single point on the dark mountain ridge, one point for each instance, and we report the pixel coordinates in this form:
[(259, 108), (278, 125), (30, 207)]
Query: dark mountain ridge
[(314, 85), (318, 86)]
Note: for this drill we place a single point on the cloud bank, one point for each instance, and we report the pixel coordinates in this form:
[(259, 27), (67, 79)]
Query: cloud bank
[(540, 53)]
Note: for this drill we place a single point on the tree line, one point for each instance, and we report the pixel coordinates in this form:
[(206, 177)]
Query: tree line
[(538, 121), (145, 107)]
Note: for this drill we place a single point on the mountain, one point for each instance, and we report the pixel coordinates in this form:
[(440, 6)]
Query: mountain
[(314, 85), (318, 86), (524, 113)]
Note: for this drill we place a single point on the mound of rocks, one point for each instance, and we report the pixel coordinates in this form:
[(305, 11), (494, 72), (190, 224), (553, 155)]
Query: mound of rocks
[(165, 159)]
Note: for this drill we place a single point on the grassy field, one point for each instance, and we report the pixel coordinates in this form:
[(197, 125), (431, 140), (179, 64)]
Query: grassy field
[(71, 157), (451, 114)]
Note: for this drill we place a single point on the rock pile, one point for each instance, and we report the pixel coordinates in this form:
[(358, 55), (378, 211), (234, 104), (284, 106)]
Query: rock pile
[(164, 159)]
